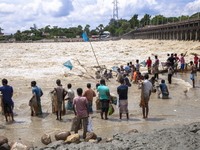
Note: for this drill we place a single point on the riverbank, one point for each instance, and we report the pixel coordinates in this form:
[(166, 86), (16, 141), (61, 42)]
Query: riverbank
[(22, 63), (181, 138)]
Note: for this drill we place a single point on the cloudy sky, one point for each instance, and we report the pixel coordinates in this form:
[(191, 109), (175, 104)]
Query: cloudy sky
[(22, 14)]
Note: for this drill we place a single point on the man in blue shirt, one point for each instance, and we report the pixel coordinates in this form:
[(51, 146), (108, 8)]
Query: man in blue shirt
[(7, 92), (37, 90), (127, 68), (127, 80), (164, 90), (104, 98)]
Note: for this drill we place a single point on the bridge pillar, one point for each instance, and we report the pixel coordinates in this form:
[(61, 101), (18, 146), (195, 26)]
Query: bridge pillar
[(173, 35), (196, 35), (186, 35), (181, 35), (191, 35), (164, 36), (167, 36), (177, 36)]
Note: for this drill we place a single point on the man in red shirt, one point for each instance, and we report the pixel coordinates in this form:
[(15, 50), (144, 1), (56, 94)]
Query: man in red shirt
[(196, 58), (81, 112), (149, 62), (176, 63)]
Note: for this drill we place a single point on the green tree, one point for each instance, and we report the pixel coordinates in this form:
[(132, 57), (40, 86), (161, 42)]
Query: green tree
[(145, 20), (1, 29), (87, 29), (134, 21), (100, 29), (112, 30), (17, 35), (80, 30), (94, 32), (47, 29)]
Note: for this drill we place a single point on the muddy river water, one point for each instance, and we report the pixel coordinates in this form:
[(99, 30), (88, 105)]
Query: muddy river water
[(22, 63)]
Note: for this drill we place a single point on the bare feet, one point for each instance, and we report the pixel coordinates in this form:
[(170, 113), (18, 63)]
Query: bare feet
[(106, 118), (102, 118), (57, 119), (13, 120)]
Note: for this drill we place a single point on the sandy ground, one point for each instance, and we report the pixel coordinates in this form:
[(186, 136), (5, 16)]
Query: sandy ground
[(22, 63)]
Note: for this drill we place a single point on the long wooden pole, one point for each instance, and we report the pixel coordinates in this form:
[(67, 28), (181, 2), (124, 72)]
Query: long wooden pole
[(94, 53)]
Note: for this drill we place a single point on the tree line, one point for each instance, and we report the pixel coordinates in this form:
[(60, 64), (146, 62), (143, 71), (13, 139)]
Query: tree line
[(116, 28)]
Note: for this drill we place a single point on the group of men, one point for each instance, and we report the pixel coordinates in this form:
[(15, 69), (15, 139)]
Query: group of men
[(82, 104)]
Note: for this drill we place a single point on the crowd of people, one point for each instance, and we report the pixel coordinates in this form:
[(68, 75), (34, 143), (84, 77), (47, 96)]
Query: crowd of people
[(83, 103)]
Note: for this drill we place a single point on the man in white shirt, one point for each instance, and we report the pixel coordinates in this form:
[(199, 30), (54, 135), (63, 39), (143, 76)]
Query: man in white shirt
[(147, 87)]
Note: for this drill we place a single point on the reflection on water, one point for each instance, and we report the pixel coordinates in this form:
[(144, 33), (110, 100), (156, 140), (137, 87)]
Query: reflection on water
[(22, 63)]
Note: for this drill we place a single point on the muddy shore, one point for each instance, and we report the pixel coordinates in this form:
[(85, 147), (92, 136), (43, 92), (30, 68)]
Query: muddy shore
[(182, 138)]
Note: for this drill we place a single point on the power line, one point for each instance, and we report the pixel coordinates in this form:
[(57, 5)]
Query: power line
[(86, 13)]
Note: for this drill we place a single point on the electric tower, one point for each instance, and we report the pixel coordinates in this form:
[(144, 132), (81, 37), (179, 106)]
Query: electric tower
[(115, 11)]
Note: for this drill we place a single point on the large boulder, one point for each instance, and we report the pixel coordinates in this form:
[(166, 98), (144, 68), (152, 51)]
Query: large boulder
[(62, 135), (3, 140), (93, 141), (110, 139), (46, 139), (133, 131), (75, 138), (5, 146), (90, 136), (21, 145)]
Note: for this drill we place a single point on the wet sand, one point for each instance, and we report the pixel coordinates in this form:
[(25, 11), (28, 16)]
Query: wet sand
[(22, 63)]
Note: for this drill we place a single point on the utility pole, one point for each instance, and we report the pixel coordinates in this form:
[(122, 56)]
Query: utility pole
[(115, 12)]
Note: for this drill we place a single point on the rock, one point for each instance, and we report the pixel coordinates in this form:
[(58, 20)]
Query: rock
[(99, 139), (133, 131), (109, 139), (3, 140), (93, 141), (90, 136), (46, 139), (102, 141), (55, 144), (75, 138), (5, 146), (62, 135), (21, 145)]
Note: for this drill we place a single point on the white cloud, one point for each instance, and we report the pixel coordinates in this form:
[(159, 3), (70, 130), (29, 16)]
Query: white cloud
[(21, 14)]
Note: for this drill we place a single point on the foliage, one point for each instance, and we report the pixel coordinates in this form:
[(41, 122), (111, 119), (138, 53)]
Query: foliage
[(145, 20), (2, 38)]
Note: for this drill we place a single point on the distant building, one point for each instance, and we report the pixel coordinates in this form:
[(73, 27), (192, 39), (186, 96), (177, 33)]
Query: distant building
[(7, 35), (1, 34), (45, 34), (28, 34)]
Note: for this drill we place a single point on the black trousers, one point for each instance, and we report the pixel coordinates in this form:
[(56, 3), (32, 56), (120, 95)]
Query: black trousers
[(170, 78), (156, 75)]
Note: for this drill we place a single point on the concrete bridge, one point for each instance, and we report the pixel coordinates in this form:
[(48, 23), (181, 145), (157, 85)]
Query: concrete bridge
[(182, 30)]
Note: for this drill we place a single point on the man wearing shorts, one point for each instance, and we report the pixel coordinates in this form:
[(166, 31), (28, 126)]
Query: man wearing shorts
[(7, 92), (104, 98), (61, 93), (193, 71)]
